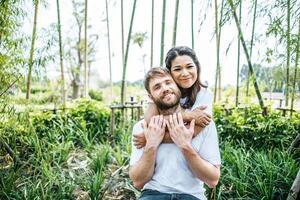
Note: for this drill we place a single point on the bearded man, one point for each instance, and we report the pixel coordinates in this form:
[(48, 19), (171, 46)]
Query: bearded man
[(173, 170)]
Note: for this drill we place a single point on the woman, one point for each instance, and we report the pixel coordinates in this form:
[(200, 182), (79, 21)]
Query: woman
[(184, 67)]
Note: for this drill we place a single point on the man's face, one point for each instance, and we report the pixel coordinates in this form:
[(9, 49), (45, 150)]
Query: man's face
[(164, 92)]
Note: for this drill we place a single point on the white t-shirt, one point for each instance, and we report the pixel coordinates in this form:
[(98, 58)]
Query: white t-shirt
[(171, 173), (204, 98)]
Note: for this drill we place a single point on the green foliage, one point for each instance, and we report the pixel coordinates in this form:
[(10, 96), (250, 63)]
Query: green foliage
[(248, 126), (70, 154), (62, 157), (252, 174), (94, 116), (11, 42), (96, 95)]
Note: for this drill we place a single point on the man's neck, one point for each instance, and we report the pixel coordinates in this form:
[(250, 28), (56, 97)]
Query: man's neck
[(170, 111)]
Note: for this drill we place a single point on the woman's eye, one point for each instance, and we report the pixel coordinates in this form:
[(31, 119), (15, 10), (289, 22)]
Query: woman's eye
[(190, 66), (176, 69)]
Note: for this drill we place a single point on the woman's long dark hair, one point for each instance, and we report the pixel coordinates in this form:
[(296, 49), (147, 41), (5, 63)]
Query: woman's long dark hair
[(190, 93)]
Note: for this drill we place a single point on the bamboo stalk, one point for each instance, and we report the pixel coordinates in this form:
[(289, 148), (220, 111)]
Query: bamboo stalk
[(296, 66), (36, 5), (162, 33), (61, 56), (152, 30), (126, 55), (260, 100), (175, 23), (109, 54)]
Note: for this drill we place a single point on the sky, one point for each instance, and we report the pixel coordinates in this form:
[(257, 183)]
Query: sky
[(205, 45)]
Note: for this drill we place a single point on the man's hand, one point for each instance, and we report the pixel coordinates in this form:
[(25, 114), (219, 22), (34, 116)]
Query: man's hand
[(202, 119), (181, 135), (139, 140), (154, 131)]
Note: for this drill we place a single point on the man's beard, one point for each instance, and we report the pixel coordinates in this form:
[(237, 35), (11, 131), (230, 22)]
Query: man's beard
[(159, 102)]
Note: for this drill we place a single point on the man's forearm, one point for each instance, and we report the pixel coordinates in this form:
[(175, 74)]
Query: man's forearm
[(143, 170), (201, 168)]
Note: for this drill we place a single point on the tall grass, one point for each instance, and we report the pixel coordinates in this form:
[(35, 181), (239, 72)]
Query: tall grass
[(71, 155), (253, 174)]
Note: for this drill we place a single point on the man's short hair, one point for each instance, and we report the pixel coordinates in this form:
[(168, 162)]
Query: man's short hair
[(153, 73)]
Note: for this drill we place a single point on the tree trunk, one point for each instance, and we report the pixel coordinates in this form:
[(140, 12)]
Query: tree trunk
[(296, 66), (109, 54), (63, 91), (192, 23), (251, 46), (123, 94), (288, 53), (261, 103), (162, 44), (36, 5), (85, 91), (294, 191), (238, 61), (175, 23), (76, 87), (152, 29)]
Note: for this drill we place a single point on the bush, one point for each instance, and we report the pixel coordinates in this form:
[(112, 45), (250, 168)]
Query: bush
[(95, 116), (96, 95), (256, 131)]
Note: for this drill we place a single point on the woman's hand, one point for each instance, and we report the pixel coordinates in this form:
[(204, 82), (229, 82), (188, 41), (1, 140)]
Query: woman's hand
[(139, 140), (202, 119), (181, 135)]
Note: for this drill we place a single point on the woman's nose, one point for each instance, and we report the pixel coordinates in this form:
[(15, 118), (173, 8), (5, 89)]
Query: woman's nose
[(184, 72)]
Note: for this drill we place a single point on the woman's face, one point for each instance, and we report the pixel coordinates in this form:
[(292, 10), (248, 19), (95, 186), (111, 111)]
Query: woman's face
[(184, 71)]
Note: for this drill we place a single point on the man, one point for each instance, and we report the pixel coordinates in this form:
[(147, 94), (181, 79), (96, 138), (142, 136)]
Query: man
[(178, 170)]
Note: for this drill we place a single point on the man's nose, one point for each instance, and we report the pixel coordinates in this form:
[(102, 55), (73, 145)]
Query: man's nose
[(165, 88)]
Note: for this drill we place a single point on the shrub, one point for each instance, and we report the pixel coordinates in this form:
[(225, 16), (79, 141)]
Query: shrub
[(96, 95), (96, 117), (256, 131)]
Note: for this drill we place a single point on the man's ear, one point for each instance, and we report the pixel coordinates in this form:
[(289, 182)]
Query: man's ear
[(150, 96)]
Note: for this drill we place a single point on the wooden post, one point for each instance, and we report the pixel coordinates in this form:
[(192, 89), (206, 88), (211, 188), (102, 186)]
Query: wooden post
[(112, 121), (131, 103), (139, 112)]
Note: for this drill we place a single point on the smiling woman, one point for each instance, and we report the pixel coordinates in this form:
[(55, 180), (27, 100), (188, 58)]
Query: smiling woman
[(184, 68), (184, 71)]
